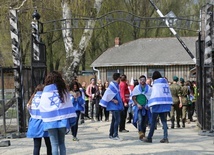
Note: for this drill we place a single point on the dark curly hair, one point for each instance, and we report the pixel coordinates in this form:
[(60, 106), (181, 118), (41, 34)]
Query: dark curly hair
[(71, 86), (55, 77)]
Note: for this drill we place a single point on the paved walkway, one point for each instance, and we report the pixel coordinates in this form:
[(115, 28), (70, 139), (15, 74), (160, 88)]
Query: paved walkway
[(94, 141)]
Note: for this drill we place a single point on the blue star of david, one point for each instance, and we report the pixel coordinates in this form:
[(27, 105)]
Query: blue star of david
[(35, 101), (166, 90), (54, 99)]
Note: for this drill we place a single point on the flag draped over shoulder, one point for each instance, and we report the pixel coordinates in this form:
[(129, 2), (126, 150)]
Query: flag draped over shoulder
[(138, 90), (130, 99), (52, 108), (34, 108), (160, 93), (135, 114), (109, 94)]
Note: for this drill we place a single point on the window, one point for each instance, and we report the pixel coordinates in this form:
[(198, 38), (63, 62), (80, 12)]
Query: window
[(151, 70), (110, 73)]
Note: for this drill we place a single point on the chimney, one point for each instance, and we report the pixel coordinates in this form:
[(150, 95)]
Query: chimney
[(117, 42)]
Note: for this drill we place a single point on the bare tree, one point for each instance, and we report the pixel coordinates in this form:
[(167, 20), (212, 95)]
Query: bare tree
[(74, 56)]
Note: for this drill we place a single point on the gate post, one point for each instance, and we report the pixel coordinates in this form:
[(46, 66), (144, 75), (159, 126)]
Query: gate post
[(16, 53), (38, 54), (208, 64)]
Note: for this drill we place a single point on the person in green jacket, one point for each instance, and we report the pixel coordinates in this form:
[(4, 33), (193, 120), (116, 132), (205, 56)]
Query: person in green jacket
[(175, 89), (184, 98)]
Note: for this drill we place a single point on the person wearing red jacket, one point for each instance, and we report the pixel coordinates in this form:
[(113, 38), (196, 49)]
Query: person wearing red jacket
[(124, 93)]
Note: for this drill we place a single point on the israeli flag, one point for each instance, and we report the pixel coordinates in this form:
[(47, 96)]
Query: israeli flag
[(160, 93), (109, 94), (138, 90), (83, 97), (33, 109), (52, 108), (83, 94)]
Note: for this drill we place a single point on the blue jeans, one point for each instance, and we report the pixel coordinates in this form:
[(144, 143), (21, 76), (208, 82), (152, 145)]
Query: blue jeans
[(149, 115), (154, 121), (57, 137), (74, 128), (115, 123), (37, 145), (141, 121)]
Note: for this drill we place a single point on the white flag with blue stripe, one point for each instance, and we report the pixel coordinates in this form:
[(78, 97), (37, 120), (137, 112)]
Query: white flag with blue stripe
[(160, 93), (138, 90), (34, 108), (52, 108), (109, 94)]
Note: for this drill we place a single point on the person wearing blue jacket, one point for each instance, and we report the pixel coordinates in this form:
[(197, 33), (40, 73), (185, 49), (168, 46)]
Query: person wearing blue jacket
[(113, 102), (57, 111), (35, 125), (159, 103), (78, 102)]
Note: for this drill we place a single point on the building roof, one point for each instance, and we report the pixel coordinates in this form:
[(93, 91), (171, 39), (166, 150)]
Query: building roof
[(148, 51)]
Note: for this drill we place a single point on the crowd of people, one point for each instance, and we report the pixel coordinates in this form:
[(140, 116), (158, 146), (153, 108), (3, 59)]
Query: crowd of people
[(57, 108)]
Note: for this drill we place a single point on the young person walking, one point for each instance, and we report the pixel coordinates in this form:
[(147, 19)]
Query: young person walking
[(160, 104), (106, 113), (125, 94), (78, 102), (112, 101), (57, 111), (140, 97), (35, 125), (175, 89)]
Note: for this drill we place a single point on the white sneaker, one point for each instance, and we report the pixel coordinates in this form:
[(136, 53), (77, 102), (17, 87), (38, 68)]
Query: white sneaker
[(117, 138)]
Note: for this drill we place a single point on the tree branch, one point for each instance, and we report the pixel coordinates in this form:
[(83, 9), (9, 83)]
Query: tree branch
[(21, 5)]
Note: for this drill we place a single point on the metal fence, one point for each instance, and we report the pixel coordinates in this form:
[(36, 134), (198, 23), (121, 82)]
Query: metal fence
[(9, 107)]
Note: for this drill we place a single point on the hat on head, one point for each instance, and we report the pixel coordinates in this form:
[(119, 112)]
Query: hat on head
[(175, 78), (181, 80)]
